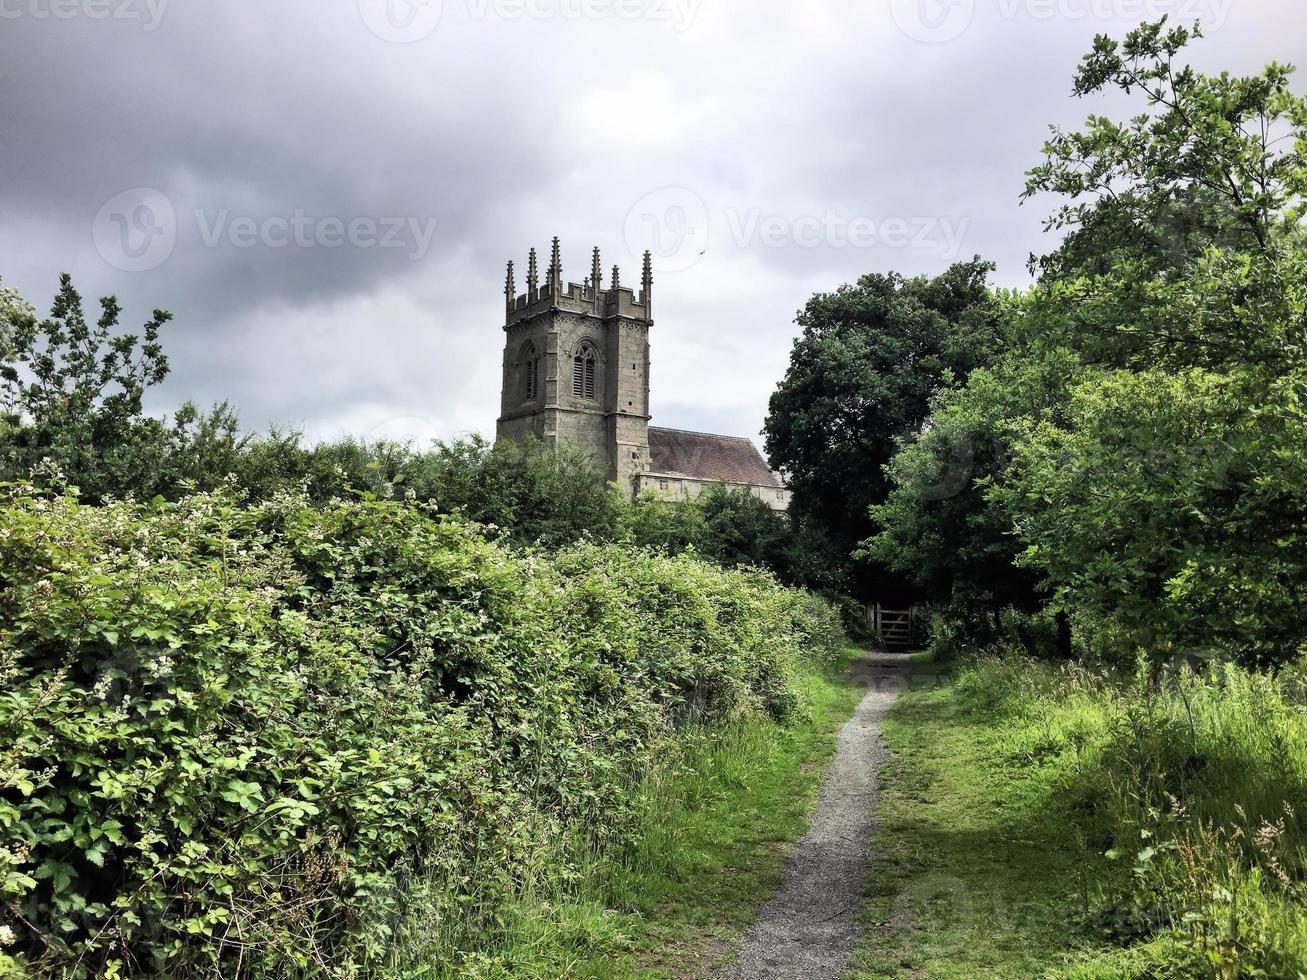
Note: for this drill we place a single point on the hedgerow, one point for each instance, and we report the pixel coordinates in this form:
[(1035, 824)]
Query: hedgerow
[(229, 734)]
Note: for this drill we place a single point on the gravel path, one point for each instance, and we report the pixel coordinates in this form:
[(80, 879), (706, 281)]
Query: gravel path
[(808, 928)]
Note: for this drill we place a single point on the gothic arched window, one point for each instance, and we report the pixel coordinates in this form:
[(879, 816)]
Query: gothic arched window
[(530, 361), (585, 370)]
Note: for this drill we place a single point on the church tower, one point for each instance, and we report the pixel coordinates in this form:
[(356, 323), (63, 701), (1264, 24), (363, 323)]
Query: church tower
[(576, 365)]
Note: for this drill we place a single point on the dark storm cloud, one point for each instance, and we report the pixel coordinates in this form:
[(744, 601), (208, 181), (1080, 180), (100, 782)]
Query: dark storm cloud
[(331, 188), (247, 113)]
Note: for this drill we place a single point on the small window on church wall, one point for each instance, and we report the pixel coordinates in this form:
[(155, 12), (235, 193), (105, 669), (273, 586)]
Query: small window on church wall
[(584, 372), (530, 373)]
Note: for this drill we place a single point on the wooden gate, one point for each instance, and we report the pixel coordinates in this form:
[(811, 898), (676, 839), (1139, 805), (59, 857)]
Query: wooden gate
[(893, 627)]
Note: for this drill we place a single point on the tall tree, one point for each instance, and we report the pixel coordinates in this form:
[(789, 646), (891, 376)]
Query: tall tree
[(862, 374), (1164, 511), (72, 394), (1184, 224), (940, 526)]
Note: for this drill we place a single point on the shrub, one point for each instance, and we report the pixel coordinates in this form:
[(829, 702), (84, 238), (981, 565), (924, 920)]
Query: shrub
[(230, 735), (1167, 515), (707, 642)]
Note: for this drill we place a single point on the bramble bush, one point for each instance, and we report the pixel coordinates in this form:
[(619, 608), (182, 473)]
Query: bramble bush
[(230, 733)]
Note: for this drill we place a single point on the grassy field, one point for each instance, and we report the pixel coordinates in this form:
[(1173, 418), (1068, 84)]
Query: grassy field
[(970, 880), (1046, 823), (714, 828)]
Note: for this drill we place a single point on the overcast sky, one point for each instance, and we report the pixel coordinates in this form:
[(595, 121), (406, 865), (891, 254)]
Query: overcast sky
[(325, 192)]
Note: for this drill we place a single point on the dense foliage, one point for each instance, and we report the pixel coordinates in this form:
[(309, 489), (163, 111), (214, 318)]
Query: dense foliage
[(1127, 473), (862, 375), (72, 390), (1169, 513), (1132, 463), (230, 735), (940, 530), (1183, 800)]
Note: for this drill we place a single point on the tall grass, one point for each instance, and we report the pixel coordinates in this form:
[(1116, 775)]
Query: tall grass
[(716, 801), (1185, 792)]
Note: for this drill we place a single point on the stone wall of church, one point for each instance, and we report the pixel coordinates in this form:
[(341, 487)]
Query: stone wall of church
[(628, 401), (612, 427), (674, 487)]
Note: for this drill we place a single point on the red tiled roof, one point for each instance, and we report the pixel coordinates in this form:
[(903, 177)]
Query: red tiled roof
[(729, 459)]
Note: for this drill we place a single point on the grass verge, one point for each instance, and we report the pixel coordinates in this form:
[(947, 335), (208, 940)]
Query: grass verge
[(1063, 821), (970, 879), (713, 826)]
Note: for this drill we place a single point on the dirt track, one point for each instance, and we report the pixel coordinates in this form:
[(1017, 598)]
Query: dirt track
[(807, 930)]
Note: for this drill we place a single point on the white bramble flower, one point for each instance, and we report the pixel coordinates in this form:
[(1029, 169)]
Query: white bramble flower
[(7, 936)]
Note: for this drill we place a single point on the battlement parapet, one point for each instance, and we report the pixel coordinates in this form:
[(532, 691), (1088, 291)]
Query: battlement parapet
[(585, 298)]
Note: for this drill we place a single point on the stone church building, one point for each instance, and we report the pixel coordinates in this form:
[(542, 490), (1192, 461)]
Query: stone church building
[(576, 370)]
